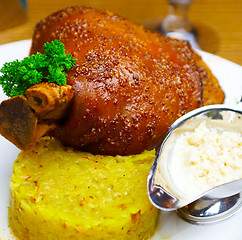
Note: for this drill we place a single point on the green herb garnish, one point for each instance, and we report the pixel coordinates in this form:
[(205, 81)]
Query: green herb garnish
[(18, 76)]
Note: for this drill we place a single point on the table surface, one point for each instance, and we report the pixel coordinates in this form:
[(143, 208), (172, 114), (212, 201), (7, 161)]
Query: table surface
[(219, 22)]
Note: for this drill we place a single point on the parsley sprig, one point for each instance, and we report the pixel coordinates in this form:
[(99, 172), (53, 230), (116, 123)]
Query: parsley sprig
[(18, 76)]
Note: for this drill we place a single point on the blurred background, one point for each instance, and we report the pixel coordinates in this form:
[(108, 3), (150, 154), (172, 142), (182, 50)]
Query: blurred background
[(218, 21)]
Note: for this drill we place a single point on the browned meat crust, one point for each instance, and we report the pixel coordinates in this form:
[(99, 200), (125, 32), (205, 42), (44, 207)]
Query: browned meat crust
[(130, 84)]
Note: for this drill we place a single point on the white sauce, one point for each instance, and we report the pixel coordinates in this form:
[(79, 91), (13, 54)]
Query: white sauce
[(199, 156)]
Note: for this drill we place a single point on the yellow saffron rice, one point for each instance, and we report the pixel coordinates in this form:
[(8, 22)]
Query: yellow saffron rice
[(59, 193)]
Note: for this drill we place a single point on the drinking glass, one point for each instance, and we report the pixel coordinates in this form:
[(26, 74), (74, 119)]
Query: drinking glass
[(176, 24), (177, 18)]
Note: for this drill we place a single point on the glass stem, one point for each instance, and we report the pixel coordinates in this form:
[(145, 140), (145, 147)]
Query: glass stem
[(177, 18)]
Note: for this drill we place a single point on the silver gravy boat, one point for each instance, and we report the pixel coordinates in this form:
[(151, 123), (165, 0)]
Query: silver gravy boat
[(212, 206)]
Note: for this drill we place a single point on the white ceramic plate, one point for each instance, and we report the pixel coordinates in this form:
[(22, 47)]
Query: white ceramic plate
[(170, 226)]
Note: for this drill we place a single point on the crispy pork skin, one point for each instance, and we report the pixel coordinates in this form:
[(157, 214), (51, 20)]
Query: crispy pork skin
[(130, 84)]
